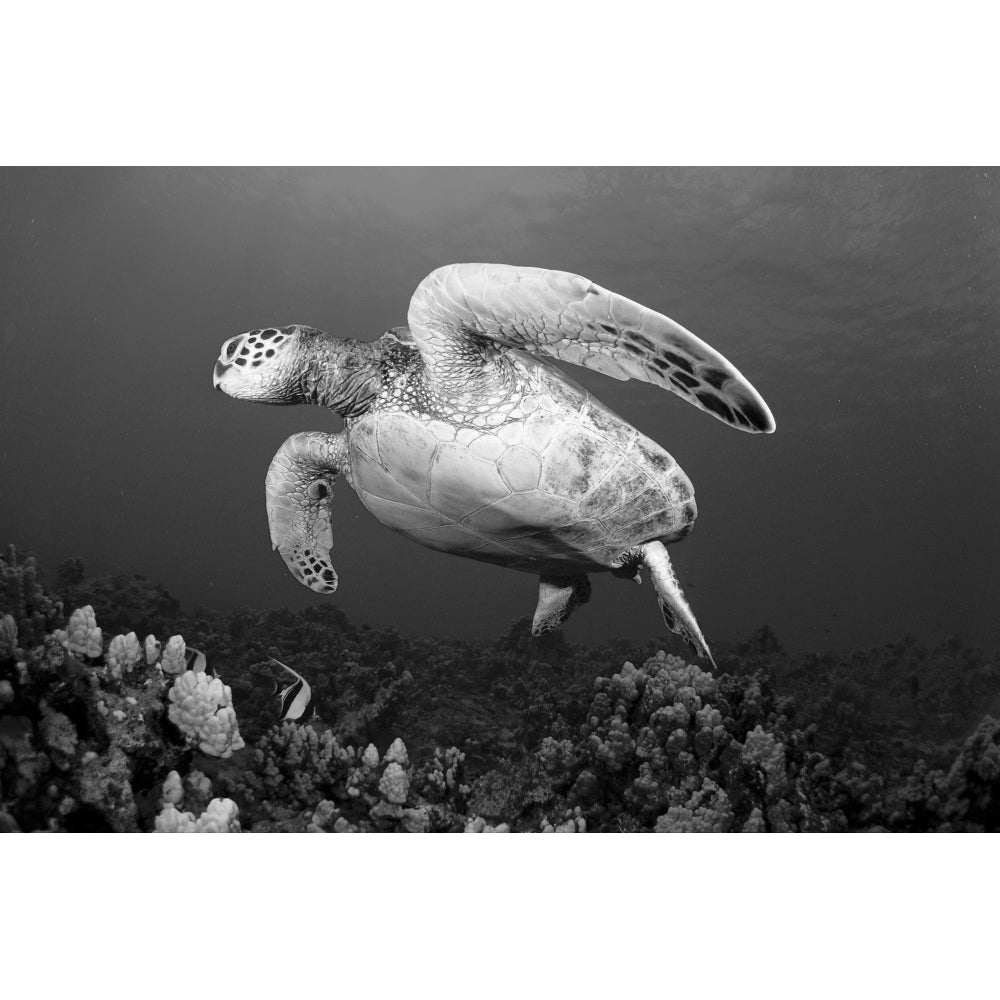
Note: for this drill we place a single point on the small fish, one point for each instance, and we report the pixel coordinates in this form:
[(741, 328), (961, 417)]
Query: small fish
[(296, 698), (196, 660)]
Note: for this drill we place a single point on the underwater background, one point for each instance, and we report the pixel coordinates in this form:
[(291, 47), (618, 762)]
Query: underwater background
[(843, 569)]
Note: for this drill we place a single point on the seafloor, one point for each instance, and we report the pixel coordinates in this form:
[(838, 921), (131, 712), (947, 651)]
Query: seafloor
[(105, 726)]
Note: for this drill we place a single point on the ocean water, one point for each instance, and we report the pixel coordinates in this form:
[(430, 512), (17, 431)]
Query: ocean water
[(863, 304)]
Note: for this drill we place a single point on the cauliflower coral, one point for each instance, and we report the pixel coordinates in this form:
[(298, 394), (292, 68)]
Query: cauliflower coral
[(476, 824), (397, 753), (152, 648), (124, 653), (218, 816), (202, 709), (395, 784), (84, 637), (221, 816), (173, 659), (707, 811), (173, 790)]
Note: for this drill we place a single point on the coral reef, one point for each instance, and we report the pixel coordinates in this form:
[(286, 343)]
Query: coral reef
[(124, 653), (217, 815), (888, 705), (172, 659), (84, 638), (85, 746), (120, 602), (965, 798), (99, 731), (201, 707), (307, 780), (33, 611)]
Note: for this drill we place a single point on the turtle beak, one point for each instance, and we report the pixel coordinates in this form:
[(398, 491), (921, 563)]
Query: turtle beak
[(220, 370)]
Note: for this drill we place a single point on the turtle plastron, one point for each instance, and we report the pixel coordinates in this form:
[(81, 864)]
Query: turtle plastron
[(299, 490)]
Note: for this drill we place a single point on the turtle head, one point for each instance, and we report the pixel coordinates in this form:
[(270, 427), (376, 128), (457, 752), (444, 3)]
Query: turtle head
[(264, 365), (298, 364)]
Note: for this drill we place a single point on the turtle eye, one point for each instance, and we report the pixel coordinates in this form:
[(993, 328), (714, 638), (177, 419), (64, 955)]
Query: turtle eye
[(231, 348)]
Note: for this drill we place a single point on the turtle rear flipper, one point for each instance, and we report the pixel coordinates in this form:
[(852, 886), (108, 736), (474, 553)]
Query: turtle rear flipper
[(299, 490), (558, 598), (676, 611)]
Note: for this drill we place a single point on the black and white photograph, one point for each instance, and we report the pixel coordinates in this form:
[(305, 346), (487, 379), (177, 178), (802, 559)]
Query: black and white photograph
[(512, 419), (401, 595)]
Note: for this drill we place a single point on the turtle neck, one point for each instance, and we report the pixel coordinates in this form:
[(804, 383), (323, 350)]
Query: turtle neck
[(343, 375)]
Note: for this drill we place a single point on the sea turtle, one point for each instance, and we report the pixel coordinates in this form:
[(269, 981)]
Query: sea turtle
[(459, 433)]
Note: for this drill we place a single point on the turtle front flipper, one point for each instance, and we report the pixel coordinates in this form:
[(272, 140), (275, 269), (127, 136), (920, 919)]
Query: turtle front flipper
[(676, 611), (299, 491), (558, 598), (457, 310)]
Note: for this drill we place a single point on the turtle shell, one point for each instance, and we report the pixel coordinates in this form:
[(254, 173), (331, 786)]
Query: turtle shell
[(558, 484)]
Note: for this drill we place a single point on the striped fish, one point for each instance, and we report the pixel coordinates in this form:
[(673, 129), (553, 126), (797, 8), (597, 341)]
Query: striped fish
[(196, 660), (295, 698)]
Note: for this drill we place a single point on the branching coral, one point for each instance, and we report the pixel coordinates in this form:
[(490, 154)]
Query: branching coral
[(22, 596), (300, 768), (443, 781)]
